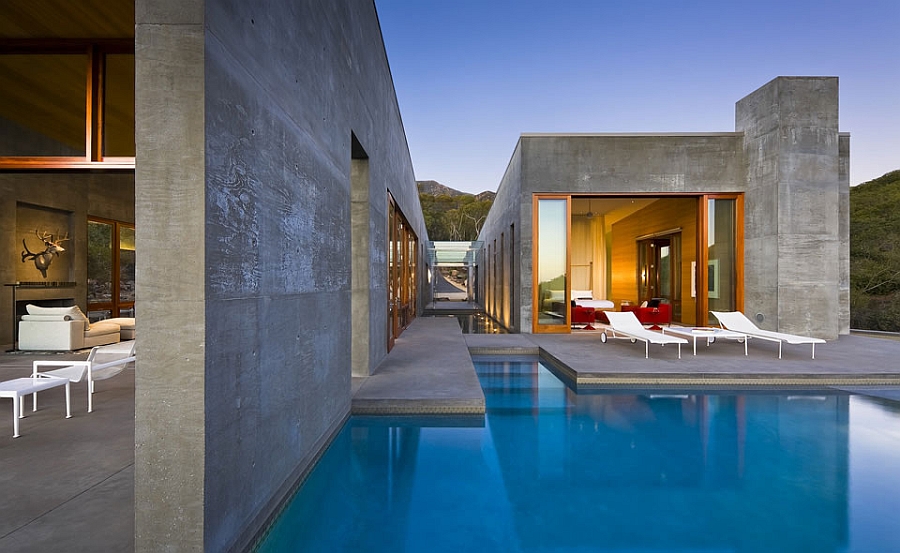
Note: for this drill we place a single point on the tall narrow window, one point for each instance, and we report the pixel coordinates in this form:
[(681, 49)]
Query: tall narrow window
[(111, 269), (402, 271), (721, 255), (118, 107), (551, 291)]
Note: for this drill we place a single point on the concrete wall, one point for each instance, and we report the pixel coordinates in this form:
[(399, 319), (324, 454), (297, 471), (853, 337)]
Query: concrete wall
[(506, 211), (793, 214), (787, 157), (52, 201), (252, 197)]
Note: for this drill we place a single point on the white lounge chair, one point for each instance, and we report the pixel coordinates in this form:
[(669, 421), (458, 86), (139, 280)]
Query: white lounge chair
[(102, 362), (624, 324), (738, 322)]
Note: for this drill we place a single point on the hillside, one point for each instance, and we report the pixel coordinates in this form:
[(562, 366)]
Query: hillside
[(875, 254), (451, 214)]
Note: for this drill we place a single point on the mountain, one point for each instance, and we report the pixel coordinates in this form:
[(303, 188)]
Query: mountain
[(875, 254), (450, 214), (434, 188)]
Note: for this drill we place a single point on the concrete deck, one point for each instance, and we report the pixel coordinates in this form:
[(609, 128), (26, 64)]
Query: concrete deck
[(68, 483)]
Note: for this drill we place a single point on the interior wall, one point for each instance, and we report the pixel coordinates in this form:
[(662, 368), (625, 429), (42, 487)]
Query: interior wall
[(57, 202), (659, 216)]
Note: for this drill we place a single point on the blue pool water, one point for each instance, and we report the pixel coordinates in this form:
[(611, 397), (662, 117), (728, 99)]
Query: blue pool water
[(551, 470)]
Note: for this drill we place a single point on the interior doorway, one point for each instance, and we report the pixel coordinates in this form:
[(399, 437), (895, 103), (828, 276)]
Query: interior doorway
[(659, 270)]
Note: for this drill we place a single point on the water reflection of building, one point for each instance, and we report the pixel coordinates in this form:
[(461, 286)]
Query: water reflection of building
[(754, 472)]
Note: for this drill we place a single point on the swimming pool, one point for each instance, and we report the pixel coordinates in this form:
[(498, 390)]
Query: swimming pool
[(654, 470)]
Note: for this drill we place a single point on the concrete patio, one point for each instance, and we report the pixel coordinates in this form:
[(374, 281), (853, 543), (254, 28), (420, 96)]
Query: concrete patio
[(68, 483)]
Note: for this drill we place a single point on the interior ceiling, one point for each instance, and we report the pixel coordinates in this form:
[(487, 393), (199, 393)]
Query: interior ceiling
[(35, 19), (613, 208), (47, 93)]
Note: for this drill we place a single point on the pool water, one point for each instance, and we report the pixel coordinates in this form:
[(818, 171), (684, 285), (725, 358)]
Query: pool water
[(551, 470)]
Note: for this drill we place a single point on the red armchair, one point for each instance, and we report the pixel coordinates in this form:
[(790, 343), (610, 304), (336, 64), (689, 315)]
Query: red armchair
[(582, 315), (659, 315)]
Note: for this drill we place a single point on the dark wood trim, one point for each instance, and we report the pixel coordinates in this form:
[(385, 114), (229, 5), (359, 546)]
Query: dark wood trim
[(58, 163), (65, 46)]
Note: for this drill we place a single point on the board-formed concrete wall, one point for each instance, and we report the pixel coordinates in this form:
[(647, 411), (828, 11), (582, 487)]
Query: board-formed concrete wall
[(793, 208), (786, 157), (258, 205), (505, 214)]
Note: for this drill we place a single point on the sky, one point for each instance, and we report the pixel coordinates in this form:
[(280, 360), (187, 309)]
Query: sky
[(472, 75)]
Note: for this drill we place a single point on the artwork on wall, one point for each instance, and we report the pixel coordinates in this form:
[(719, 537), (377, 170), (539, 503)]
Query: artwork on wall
[(52, 247)]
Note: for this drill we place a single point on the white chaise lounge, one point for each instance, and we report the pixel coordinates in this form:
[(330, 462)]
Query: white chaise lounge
[(624, 324), (102, 362), (738, 322)]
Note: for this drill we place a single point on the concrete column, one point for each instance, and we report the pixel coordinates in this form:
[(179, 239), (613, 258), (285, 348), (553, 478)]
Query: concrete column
[(793, 210), (171, 300)]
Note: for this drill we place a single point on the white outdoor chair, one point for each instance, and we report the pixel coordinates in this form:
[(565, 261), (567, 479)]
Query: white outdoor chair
[(102, 362), (624, 324), (738, 322)]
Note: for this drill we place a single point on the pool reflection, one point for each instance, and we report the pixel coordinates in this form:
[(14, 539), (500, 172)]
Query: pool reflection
[(554, 470)]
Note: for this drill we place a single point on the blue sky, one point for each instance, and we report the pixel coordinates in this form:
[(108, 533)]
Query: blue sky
[(472, 75)]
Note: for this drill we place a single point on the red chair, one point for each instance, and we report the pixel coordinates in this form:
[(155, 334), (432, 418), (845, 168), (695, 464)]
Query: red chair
[(659, 315), (583, 315)]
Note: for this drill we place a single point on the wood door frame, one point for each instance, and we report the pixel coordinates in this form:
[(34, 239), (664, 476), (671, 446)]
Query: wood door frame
[(537, 328)]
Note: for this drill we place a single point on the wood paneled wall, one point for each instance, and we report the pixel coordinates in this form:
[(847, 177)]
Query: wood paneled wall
[(662, 215)]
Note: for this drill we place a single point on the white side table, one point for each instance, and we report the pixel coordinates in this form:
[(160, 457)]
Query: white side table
[(711, 334), (18, 388)]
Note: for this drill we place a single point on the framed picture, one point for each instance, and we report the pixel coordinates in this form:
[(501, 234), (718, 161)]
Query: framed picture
[(712, 279)]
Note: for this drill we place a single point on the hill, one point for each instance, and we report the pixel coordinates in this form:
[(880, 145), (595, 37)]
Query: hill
[(451, 214), (875, 254), (434, 188)]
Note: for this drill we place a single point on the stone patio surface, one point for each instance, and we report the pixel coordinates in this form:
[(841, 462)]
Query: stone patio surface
[(69, 483)]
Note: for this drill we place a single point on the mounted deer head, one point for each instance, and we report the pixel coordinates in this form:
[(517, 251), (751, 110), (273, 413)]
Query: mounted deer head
[(43, 259)]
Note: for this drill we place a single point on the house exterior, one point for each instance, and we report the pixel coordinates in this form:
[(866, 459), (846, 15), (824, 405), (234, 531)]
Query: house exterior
[(754, 220), (261, 178)]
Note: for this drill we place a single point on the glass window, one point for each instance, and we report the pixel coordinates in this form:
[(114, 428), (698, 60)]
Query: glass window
[(99, 262), (118, 112), (552, 245), (722, 258), (126, 264), (110, 268), (43, 105)]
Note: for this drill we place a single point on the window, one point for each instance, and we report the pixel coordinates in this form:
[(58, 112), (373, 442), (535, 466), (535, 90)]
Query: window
[(67, 104), (403, 248), (111, 269), (551, 300)]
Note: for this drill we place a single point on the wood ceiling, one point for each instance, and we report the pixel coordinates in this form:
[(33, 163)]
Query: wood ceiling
[(37, 19), (47, 93)]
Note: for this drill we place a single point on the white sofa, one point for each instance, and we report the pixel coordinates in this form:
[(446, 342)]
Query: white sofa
[(63, 329)]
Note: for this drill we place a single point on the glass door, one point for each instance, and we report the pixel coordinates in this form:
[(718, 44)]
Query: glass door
[(551, 246)]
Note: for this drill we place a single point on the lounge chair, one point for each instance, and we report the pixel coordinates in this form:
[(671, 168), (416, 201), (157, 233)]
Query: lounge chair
[(102, 362), (738, 322), (625, 324)]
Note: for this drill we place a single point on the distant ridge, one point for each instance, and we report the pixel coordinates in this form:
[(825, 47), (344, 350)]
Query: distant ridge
[(434, 188)]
